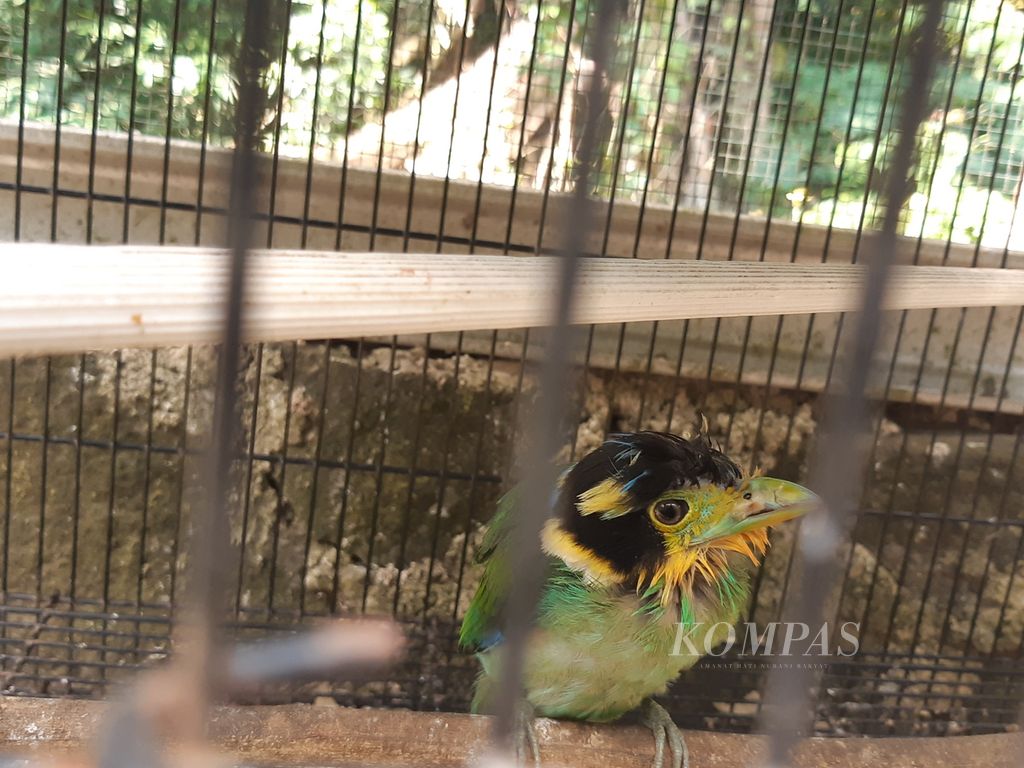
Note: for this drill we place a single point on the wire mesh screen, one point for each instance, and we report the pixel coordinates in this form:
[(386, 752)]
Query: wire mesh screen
[(736, 129)]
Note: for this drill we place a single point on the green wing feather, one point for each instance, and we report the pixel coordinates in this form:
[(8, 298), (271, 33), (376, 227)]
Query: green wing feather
[(480, 624)]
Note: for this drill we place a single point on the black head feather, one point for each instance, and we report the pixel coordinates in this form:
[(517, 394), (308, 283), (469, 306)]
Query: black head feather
[(646, 465)]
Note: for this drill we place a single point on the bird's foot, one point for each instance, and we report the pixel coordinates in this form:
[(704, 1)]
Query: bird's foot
[(654, 716), (526, 744)]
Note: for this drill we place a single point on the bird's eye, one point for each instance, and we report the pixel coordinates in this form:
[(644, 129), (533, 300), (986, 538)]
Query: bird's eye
[(748, 496), (670, 511)]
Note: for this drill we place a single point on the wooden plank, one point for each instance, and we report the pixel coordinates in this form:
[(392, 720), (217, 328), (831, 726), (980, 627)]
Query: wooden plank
[(303, 735), (64, 298)]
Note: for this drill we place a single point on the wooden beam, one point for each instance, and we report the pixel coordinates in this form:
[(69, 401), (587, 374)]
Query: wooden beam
[(303, 735), (61, 299)]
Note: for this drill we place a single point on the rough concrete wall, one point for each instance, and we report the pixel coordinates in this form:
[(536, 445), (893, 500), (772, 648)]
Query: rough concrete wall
[(926, 583), (466, 427)]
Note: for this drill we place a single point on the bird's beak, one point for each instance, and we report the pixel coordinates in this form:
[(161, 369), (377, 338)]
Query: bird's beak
[(771, 502)]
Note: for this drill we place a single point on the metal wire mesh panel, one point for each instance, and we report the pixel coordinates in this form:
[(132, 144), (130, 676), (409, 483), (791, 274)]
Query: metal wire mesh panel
[(741, 129)]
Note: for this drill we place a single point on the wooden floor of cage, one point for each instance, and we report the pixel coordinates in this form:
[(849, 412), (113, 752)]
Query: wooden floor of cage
[(62, 730)]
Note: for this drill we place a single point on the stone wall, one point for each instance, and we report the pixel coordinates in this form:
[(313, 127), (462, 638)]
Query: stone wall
[(400, 539)]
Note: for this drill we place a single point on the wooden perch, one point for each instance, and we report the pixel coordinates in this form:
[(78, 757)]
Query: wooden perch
[(62, 299), (303, 735)]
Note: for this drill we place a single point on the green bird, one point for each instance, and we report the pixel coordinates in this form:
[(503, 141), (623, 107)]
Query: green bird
[(650, 534)]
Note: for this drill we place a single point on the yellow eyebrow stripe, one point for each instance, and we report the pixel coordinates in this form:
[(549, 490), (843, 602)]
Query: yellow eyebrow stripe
[(609, 497)]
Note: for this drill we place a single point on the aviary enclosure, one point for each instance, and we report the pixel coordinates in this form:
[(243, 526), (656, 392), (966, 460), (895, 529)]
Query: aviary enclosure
[(754, 131)]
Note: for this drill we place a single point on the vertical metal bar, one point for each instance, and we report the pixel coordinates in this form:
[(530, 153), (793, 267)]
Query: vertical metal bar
[(5, 546), (132, 113), (275, 157), (891, 73), (147, 477), (313, 118), (322, 409), (58, 115), (443, 476), (115, 428), (770, 208), (90, 189), (282, 479), (89, 224), (339, 225), (314, 484), (386, 104), (478, 199), (474, 478), (723, 121), (749, 322), (926, 349), (562, 82), (406, 237), (76, 510), (43, 477), (428, 39), (868, 185), (507, 244), (848, 133), (530, 71), (77, 504), (411, 476), (275, 160), (722, 129), (19, 167), (442, 485), (169, 120), (414, 456), (839, 459), (249, 463), (211, 44), (951, 483), (609, 210), (346, 483), (182, 451), (620, 142), (901, 326), (210, 539), (779, 323), (343, 186), (546, 419), (648, 172), (669, 241), (378, 480), (474, 475)]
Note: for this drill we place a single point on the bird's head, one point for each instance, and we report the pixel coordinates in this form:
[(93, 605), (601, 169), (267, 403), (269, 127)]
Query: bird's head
[(666, 515)]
